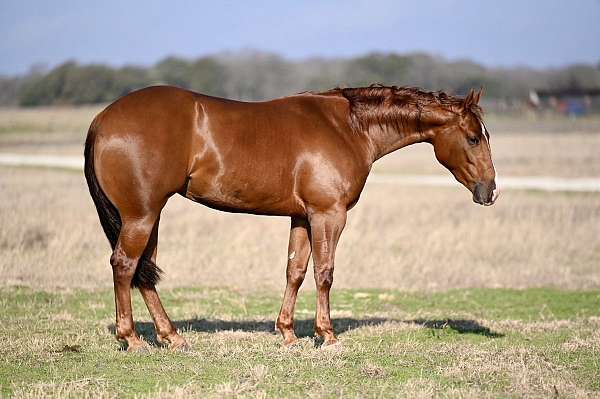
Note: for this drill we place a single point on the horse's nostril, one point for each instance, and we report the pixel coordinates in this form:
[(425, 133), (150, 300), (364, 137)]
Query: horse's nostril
[(483, 193)]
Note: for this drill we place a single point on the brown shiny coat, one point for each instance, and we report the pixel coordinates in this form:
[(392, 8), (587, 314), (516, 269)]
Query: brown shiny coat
[(305, 156)]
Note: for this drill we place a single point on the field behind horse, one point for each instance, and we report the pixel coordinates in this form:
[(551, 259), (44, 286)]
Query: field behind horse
[(433, 295)]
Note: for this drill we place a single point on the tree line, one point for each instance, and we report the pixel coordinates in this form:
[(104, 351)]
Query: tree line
[(251, 75)]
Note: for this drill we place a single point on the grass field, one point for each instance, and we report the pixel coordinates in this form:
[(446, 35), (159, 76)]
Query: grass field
[(433, 295), (467, 343)]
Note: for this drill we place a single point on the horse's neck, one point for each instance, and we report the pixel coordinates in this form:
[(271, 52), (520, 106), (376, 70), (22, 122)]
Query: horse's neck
[(386, 139), (396, 129)]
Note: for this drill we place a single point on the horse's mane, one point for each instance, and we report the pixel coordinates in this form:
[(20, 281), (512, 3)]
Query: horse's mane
[(399, 106)]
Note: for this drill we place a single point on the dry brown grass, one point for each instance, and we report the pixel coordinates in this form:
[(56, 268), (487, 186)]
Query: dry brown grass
[(397, 237), (86, 388), (53, 122), (46, 130), (403, 237)]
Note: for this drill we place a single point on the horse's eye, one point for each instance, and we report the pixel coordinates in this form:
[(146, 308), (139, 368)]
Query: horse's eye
[(473, 140)]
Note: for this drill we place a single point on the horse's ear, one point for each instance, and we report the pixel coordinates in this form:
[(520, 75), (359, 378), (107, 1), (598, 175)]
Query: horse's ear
[(469, 100), (478, 95)]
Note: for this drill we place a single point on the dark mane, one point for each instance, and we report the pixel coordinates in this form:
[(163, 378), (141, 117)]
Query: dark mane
[(399, 106)]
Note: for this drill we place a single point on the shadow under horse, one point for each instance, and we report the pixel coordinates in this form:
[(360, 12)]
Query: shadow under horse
[(304, 327)]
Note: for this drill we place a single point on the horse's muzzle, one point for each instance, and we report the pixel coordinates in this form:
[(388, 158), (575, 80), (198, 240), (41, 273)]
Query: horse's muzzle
[(485, 193)]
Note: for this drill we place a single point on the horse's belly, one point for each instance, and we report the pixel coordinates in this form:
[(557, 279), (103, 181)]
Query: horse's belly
[(251, 195)]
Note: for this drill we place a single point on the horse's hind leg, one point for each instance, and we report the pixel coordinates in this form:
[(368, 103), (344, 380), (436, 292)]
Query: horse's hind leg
[(165, 330), (133, 239), (298, 254)]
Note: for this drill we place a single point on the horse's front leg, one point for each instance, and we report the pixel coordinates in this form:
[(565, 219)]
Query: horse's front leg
[(298, 254), (326, 228)]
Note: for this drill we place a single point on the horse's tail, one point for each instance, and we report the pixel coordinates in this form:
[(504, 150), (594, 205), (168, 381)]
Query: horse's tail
[(147, 273)]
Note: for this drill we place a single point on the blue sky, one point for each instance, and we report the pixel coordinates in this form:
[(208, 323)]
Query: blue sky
[(546, 33)]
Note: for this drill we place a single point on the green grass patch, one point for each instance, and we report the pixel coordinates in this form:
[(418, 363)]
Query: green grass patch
[(533, 342)]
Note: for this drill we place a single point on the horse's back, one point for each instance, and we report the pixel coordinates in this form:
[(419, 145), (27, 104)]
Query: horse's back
[(259, 157)]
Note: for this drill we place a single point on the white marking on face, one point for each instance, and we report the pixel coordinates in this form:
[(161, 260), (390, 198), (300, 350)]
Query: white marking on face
[(292, 255), (496, 191)]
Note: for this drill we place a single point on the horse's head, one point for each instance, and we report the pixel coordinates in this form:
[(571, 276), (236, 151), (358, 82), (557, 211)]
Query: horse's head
[(462, 145)]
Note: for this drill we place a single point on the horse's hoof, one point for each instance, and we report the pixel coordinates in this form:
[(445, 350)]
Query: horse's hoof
[(331, 345), (138, 348), (291, 343), (180, 345)]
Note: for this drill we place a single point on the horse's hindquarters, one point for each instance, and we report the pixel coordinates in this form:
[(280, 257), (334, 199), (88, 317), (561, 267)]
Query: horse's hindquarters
[(142, 146)]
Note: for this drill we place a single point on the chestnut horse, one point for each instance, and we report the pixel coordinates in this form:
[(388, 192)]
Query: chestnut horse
[(306, 156)]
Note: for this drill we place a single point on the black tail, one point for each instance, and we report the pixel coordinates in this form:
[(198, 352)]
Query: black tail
[(147, 273)]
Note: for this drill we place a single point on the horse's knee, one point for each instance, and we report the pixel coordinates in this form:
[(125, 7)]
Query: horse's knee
[(324, 276)]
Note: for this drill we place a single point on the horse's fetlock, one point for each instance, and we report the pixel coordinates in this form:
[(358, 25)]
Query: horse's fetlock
[(284, 325), (122, 333), (323, 331), (165, 334)]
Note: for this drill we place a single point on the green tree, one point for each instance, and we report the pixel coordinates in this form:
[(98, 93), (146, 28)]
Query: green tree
[(390, 69), (207, 76), (174, 71)]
